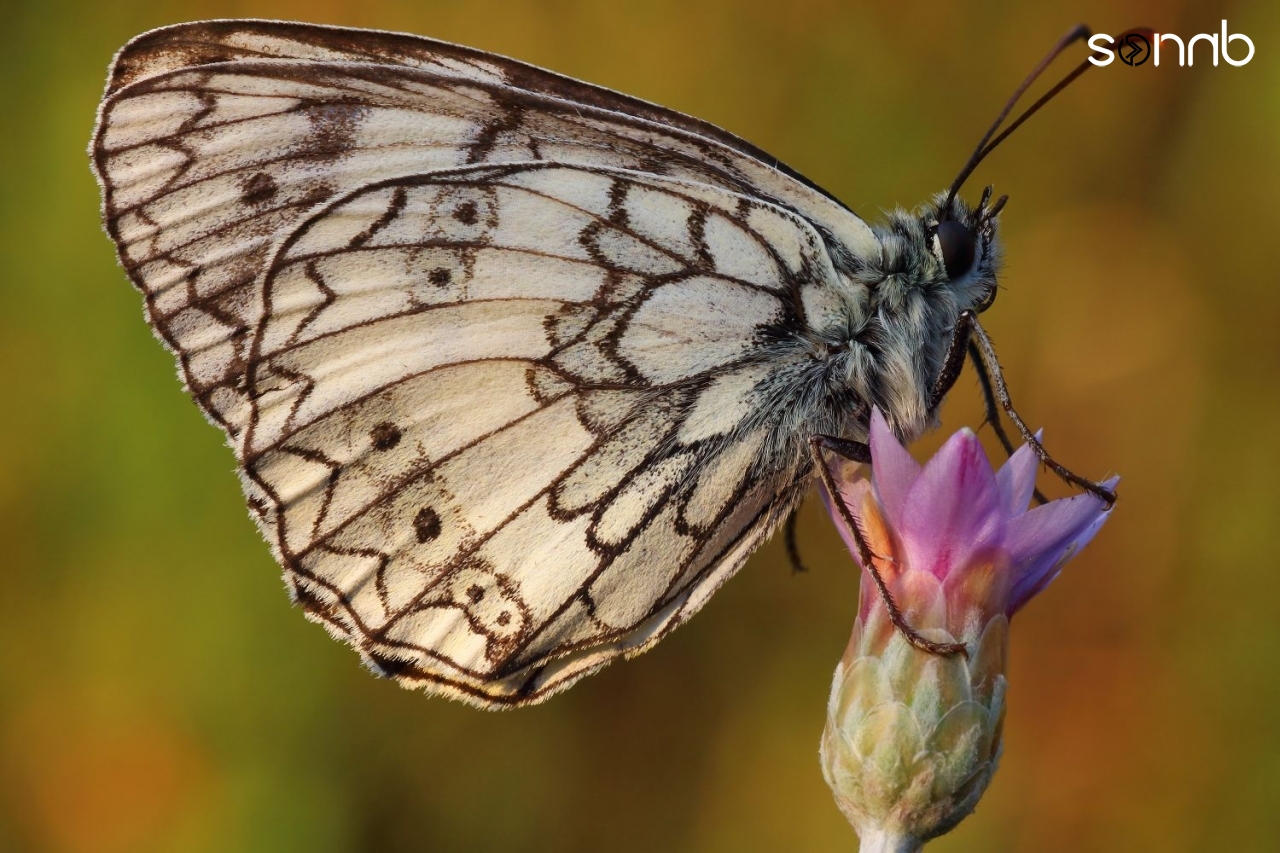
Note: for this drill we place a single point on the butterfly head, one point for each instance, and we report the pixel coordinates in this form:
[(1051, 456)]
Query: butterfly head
[(945, 251), (964, 245)]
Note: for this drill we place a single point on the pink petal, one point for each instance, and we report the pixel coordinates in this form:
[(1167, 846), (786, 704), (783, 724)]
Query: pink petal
[(952, 512), (893, 468), (1017, 479), (1041, 540)]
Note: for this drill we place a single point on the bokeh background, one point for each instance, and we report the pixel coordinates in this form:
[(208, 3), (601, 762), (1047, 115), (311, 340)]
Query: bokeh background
[(158, 694)]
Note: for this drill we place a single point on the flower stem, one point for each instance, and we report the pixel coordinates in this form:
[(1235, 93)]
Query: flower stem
[(888, 841)]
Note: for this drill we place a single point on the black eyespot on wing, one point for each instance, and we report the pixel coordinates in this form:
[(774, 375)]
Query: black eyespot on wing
[(426, 524), (466, 213), (384, 436), (258, 189), (958, 245)]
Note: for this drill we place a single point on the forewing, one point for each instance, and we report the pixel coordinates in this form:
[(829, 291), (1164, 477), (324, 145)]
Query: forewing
[(508, 423), (206, 166)]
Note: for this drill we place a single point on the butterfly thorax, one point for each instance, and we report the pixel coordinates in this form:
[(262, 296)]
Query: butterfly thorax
[(902, 304)]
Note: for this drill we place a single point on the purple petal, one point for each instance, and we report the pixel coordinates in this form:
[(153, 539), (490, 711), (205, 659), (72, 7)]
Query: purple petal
[(893, 467), (1041, 541), (952, 511), (1017, 480)]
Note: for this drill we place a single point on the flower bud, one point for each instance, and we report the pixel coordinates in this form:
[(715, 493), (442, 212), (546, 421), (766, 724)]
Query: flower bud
[(912, 738)]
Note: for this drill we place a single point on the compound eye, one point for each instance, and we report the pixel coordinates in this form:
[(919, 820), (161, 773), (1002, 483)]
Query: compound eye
[(957, 244)]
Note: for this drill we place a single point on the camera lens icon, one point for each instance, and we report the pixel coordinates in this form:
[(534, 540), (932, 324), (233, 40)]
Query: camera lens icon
[(1134, 49)]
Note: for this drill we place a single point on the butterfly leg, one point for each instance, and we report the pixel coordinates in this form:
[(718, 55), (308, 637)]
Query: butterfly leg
[(792, 542), (985, 356), (859, 452), (992, 409), (853, 450), (962, 343), (953, 362)]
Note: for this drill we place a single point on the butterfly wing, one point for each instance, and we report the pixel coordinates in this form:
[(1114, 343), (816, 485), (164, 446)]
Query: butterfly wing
[(489, 445), (507, 373)]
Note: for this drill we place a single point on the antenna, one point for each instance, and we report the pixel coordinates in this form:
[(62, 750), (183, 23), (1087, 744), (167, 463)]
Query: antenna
[(988, 144)]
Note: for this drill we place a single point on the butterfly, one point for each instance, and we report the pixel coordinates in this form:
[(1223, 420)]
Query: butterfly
[(517, 370)]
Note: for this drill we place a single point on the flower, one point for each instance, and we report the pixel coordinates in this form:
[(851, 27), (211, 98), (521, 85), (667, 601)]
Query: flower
[(912, 737)]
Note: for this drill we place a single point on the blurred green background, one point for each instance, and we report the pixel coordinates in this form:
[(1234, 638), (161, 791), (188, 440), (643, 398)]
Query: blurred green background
[(158, 694)]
